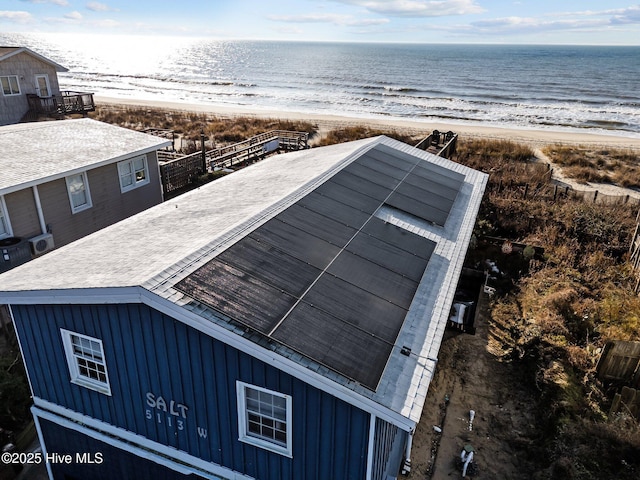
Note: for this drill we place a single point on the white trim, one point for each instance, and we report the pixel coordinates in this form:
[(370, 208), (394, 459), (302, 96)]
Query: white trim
[(134, 183), (43, 446), (371, 446), (4, 213), (46, 80), (136, 444), (10, 88), (21, 350), (36, 199), (73, 296), (243, 430), (74, 369), (85, 183)]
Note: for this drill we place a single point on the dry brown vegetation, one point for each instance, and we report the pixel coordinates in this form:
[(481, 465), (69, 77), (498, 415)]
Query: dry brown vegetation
[(554, 314), (620, 167), (219, 130), (348, 134)]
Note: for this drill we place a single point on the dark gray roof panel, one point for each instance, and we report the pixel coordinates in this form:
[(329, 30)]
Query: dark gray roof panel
[(271, 265), (296, 242), (349, 197), (381, 167), (336, 344), (238, 295), (317, 225), (450, 179), (372, 175), (392, 158), (374, 278), (340, 212), (358, 307), (401, 238), (362, 185), (388, 256), (425, 196), (431, 185), (419, 209)]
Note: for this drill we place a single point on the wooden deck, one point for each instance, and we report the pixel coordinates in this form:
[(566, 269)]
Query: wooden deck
[(442, 144), (65, 103)]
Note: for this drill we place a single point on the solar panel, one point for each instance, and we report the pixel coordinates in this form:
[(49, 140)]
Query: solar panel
[(296, 242), (450, 179), (381, 167), (401, 162), (349, 197), (238, 295), (340, 212), (388, 256), (374, 278), (334, 343), (357, 306), (361, 185), (317, 225), (371, 175), (401, 238), (425, 196), (431, 185), (271, 265), (419, 209)]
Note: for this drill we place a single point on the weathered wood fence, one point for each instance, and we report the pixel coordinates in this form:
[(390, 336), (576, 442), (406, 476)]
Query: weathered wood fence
[(619, 363), (181, 172)]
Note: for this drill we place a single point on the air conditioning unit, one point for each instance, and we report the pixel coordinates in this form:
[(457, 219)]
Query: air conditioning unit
[(41, 244)]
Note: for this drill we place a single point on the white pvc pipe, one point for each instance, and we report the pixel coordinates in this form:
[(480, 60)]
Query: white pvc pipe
[(36, 198)]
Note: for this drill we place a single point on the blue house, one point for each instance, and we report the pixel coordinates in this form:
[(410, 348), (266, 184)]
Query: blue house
[(282, 322)]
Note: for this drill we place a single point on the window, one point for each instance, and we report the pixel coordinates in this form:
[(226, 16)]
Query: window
[(10, 85), (133, 173), (78, 189), (5, 227), (264, 418), (85, 359)]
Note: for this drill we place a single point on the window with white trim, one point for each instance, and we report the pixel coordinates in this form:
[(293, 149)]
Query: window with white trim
[(85, 358), (78, 189), (264, 418), (5, 226), (10, 85), (133, 173)]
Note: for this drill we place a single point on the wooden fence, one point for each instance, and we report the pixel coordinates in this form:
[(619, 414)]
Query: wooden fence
[(619, 363), (181, 172)]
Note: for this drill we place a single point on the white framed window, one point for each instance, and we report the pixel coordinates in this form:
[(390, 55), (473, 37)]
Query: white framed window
[(264, 418), (10, 85), (85, 358), (5, 226), (133, 173), (78, 189)]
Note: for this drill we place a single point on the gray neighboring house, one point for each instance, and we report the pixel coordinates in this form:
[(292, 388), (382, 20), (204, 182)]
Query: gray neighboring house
[(29, 85), (62, 180)]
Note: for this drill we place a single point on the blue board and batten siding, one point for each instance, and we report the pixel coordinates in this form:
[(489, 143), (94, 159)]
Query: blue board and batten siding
[(149, 353)]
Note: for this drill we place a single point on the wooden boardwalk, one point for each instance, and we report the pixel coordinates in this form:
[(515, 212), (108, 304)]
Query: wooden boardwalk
[(179, 173)]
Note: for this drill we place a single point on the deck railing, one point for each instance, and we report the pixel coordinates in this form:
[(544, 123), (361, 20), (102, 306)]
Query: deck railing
[(180, 172), (65, 103)]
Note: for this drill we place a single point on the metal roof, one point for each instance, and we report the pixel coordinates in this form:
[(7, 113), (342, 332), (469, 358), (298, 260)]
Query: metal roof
[(34, 153), (305, 235)]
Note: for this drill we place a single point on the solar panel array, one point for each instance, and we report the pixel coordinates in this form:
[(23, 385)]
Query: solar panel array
[(326, 277)]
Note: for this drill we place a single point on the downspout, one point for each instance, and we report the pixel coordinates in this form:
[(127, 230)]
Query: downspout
[(36, 198), (406, 468)]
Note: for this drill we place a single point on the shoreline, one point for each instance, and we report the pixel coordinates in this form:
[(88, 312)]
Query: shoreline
[(532, 137)]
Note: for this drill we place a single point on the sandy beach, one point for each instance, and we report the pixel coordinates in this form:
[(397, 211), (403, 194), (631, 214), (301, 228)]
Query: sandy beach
[(535, 138)]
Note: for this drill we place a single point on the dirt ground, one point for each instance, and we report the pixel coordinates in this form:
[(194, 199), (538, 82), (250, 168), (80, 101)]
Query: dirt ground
[(472, 376)]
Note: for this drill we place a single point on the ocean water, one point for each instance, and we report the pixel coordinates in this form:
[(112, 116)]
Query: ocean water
[(577, 88)]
